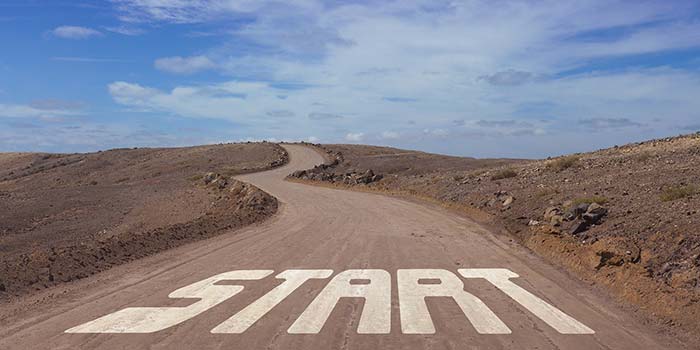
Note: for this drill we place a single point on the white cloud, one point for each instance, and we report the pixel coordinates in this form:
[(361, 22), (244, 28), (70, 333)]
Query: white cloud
[(184, 65), (133, 94), (75, 32), (390, 135), (313, 139), (195, 11), (364, 59), (355, 137)]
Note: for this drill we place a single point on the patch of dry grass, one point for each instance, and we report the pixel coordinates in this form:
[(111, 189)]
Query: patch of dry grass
[(589, 200), (504, 174), (563, 163), (678, 192)]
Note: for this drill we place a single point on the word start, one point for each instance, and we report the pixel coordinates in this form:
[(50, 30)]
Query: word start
[(374, 285)]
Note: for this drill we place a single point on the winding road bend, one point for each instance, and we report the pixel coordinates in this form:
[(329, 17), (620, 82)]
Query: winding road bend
[(334, 269)]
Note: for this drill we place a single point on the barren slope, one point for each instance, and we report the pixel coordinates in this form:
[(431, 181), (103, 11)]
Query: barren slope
[(67, 216), (645, 248)]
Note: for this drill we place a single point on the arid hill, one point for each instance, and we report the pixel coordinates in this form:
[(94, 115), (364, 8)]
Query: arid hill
[(625, 218), (67, 216)]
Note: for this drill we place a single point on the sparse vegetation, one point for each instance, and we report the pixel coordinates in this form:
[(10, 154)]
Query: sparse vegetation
[(476, 173), (504, 174), (563, 163), (678, 192), (123, 179), (196, 177), (643, 156), (589, 200), (546, 192)]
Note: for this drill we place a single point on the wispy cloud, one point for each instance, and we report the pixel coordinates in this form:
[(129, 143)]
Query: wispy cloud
[(184, 65), (324, 116), (75, 32), (508, 77), (502, 123), (281, 114), (609, 123), (56, 104), (88, 59), (125, 30), (390, 135), (400, 99), (45, 110)]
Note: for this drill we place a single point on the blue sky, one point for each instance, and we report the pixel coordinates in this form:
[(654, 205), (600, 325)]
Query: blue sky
[(478, 78)]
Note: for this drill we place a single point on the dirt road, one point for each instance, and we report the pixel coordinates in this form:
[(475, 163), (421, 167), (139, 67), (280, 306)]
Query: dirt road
[(395, 254)]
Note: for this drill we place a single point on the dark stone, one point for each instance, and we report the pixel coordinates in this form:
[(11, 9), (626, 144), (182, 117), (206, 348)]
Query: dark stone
[(576, 212), (578, 227), (299, 173)]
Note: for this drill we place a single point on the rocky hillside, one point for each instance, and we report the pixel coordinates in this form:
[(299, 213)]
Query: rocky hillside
[(67, 216), (625, 218)]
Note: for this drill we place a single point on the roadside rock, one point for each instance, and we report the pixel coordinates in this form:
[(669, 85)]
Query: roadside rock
[(366, 177), (299, 174), (209, 177), (578, 227), (324, 172), (215, 180), (594, 214), (576, 211)]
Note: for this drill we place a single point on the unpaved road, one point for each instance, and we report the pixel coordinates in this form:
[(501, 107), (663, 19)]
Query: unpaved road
[(383, 244)]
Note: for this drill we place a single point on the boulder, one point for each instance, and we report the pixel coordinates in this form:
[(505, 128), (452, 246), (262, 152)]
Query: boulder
[(576, 211), (594, 213), (366, 177), (508, 201), (578, 227), (299, 174)]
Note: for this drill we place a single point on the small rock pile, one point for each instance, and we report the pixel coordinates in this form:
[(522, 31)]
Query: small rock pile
[(283, 158), (326, 172), (501, 197), (322, 173), (578, 218), (215, 180)]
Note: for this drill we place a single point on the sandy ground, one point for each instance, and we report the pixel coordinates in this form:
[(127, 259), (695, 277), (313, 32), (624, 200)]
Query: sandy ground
[(322, 228)]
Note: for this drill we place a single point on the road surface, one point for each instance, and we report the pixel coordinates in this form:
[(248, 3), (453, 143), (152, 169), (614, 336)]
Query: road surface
[(333, 269)]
